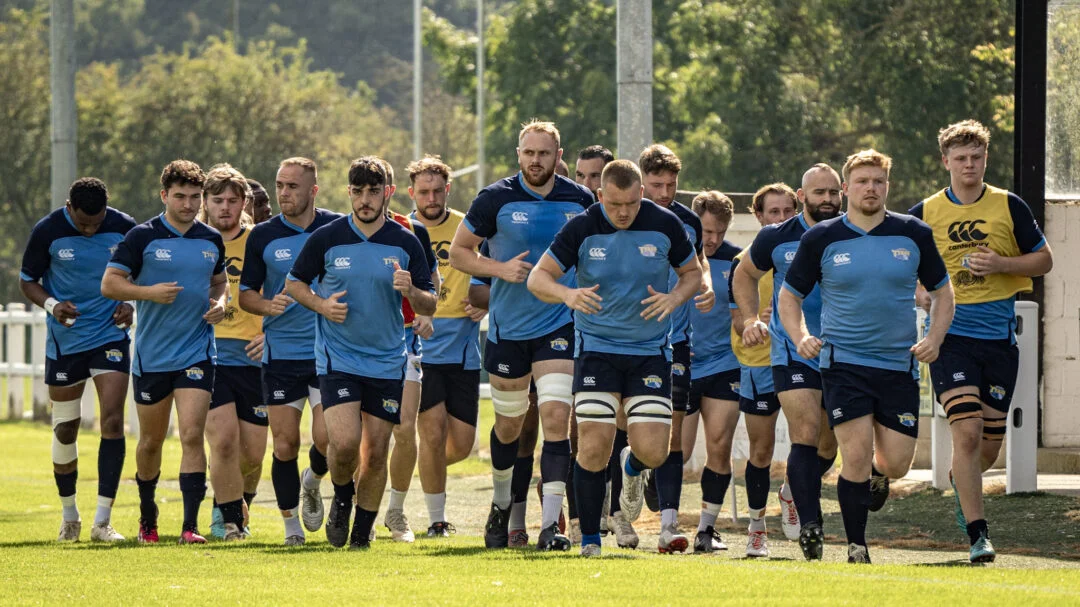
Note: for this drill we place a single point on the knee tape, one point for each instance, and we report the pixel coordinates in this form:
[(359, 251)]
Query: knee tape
[(297, 404), (598, 407), (963, 406), (555, 387), (994, 429), (648, 409), (314, 397), (510, 403), (65, 411)]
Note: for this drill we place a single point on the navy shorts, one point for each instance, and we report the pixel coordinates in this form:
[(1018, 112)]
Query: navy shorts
[(378, 397), (241, 385), (795, 376), (853, 391), (152, 387), (756, 394), (455, 386), (512, 359), (624, 374), (991, 365), (680, 376), (70, 369), (287, 381), (721, 386)]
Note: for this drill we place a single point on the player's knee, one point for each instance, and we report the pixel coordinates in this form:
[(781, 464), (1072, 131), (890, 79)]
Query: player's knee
[(719, 452), (555, 388), (652, 455), (648, 409), (65, 422), (761, 454), (286, 446), (510, 403), (895, 467), (191, 438)]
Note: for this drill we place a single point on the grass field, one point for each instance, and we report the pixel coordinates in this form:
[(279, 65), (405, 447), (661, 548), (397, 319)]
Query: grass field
[(919, 554)]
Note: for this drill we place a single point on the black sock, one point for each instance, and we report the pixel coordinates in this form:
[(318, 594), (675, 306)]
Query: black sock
[(363, 521), (635, 463), (109, 465), (519, 485), (615, 470), (571, 492), (977, 528), (854, 501), (503, 454), (233, 512), (757, 486), (825, 463), (318, 462), (669, 481), (65, 483), (555, 461), (214, 503), (874, 471), (590, 488), (193, 489), (248, 498), (802, 472), (285, 476), (148, 511), (713, 486), (343, 494)]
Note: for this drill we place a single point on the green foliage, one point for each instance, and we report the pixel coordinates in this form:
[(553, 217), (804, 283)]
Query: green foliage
[(1063, 102)]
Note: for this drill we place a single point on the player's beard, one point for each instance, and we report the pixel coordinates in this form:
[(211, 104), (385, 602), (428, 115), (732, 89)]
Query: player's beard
[(821, 214), (433, 213), (545, 176), (298, 207)]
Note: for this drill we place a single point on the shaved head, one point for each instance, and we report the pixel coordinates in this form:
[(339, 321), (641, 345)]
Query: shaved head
[(821, 166)]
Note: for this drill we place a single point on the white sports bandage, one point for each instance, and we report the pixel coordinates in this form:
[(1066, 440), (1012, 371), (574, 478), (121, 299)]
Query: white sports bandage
[(510, 403), (62, 412), (50, 304), (654, 409), (413, 371), (599, 407), (555, 387), (297, 404), (314, 397)]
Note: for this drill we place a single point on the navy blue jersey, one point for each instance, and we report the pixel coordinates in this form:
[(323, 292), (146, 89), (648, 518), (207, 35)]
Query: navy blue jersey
[(867, 287), (338, 257), (271, 250), (774, 249), (70, 266), (681, 326), (624, 263), (172, 336), (712, 330), (514, 219)]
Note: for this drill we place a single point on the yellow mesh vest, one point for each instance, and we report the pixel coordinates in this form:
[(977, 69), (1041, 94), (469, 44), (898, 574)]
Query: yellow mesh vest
[(455, 284), (757, 356), (238, 324)]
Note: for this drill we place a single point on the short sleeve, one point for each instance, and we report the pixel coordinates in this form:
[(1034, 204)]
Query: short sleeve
[(483, 215), (418, 264), (425, 242), (730, 282), (682, 250), (564, 249), (310, 263), (917, 210), (761, 249), (1026, 230), (219, 267), (36, 257), (129, 252), (695, 225), (805, 270), (253, 274), (932, 272)]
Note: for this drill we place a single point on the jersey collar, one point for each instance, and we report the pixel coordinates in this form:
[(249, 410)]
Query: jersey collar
[(356, 230), (291, 225), (169, 226), (525, 186), (953, 199), (67, 216), (802, 220)]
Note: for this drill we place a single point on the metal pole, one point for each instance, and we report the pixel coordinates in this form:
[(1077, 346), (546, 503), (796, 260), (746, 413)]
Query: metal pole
[(418, 82), (634, 70), (480, 95), (62, 84), (236, 24)]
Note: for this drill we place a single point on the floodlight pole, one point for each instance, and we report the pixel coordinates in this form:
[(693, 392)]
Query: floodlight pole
[(418, 78), (480, 95), (634, 76), (62, 85)]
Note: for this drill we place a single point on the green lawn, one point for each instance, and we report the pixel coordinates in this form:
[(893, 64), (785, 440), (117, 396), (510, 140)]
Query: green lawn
[(1036, 535)]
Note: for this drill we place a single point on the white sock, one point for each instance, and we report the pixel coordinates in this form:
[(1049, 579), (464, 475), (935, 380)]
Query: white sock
[(71, 510), (397, 499), (551, 506), (669, 516), (785, 492), (309, 480), (757, 524), (517, 516), (757, 514), (292, 525), (104, 510), (436, 506), (709, 512), (501, 480)]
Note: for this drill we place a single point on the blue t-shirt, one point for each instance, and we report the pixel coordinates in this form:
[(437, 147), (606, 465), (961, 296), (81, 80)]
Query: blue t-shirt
[(514, 219), (774, 249), (712, 332), (271, 250), (624, 263), (169, 337), (867, 287), (70, 267), (681, 326), (338, 257)]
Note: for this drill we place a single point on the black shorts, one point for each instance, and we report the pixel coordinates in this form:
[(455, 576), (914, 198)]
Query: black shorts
[(378, 397), (853, 391), (512, 359), (287, 381), (455, 386), (70, 369), (756, 394), (680, 376), (795, 376), (241, 385), (152, 387), (624, 374), (721, 386), (991, 365)]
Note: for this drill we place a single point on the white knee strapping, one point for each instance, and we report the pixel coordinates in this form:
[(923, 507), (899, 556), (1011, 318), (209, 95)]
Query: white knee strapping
[(599, 407), (653, 409), (314, 397), (413, 371), (296, 404), (555, 387), (65, 411), (510, 403)]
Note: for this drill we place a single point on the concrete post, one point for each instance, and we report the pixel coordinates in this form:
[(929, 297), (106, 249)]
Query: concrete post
[(62, 85), (634, 76)]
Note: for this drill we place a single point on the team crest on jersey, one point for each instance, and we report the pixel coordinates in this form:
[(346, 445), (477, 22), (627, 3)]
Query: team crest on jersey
[(570, 215), (653, 381), (647, 250), (907, 420), (66, 254), (901, 254), (390, 405), (212, 256), (997, 392), (163, 255), (598, 253), (559, 344), (390, 261), (678, 369), (114, 356), (194, 373)]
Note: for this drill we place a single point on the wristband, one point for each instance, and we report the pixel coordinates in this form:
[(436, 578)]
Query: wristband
[(49, 304)]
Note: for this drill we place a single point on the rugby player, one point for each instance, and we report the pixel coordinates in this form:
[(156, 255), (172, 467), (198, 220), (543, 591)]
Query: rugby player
[(590, 165), (258, 205)]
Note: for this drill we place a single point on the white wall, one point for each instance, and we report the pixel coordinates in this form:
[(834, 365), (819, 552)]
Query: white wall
[(1061, 329)]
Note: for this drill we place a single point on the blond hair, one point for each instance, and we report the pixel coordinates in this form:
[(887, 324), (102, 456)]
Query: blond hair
[(867, 158), (535, 125), (963, 133), (305, 163), (432, 164), (221, 177), (757, 204), (715, 203)]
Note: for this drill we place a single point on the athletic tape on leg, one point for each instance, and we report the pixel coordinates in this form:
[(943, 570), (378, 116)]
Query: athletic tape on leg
[(654, 409), (963, 406), (62, 412), (510, 403), (555, 387), (314, 398), (994, 429), (598, 407)]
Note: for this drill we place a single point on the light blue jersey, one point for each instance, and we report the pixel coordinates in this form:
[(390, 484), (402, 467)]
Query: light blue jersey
[(682, 328), (712, 330)]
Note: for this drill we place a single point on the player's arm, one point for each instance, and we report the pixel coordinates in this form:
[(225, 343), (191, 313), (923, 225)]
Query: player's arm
[(35, 263), (476, 305), (791, 315), (736, 314), (219, 289), (465, 258), (985, 261), (331, 307), (707, 297), (661, 305), (116, 284), (804, 273), (744, 290), (417, 283), (934, 277), (252, 280), (64, 311)]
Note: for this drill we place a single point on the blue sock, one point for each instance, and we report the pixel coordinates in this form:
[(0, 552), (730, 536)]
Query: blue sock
[(757, 486), (669, 481), (854, 501), (633, 466), (614, 472), (804, 478), (714, 486), (590, 491)]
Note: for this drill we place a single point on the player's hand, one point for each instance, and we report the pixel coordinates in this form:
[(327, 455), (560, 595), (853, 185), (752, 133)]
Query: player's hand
[(216, 313), (809, 347), (926, 351), (164, 292), (922, 299), (755, 332), (658, 305), (475, 314), (254, 348), (66, 313), (516, 269), (279, 303), (766, 314), (584, 300), (333, 309), (985, 261), (422, 326), (705, 302), (123, 315), (402, 280)]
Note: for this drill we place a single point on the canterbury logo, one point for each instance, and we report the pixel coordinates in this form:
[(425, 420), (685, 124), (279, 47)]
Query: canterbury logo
[(283, 254), (342, 262), (66, 254), (163, 255), (519, 217), (597, 253), (967, 231)]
